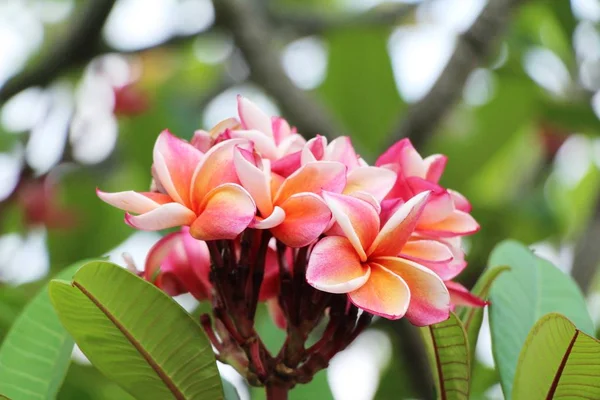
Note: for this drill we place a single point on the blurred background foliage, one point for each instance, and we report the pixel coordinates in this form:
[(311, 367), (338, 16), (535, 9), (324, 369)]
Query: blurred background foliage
[(86, 86)]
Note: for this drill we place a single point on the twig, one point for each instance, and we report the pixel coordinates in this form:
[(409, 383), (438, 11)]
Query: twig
[(472, 48), (76, 45), (587, 252), (254, 37), (312, 23)]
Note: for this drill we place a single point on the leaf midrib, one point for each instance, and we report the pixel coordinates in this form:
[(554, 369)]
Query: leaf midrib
[(138, 346), (561, 367)]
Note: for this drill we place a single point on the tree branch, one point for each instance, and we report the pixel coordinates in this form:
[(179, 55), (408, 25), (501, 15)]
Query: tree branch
[(77, 44), (312, 23), (254, 37), (472, 49)]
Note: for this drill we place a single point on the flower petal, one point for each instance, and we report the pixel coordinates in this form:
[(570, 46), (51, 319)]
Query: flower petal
[(216, 168), (384, 294), (340, 149), (460, 202), (435, 165), (374, 180), (174, 162), (430, 300), (314, 150), (227, 210), (262, 143), (404, 154), (199, 258), (253, 117), (460, 296), (334, 266), (356, 218), (158, 253), (287, 165), (135, 202), (396, 231), (166, 216), (276, 313), (281, 129), (255, 180), (438, 208), (458, 223), (276, 218), (426, 250), (306, 217), (313, 177)]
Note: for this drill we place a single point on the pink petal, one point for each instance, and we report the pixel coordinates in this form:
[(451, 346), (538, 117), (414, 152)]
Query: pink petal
[(459, 223), (276, 218), (227, 210), (174, 162), (287, 165), (460, 202), (334, 266), (291, 144), (396, 231), (306, 217), (460, 296), (253, 117), (430, 300), (135, 202), (158, 253), (314, 150), (341, 150), (404, 154), (384, 294), (374, 180), (166, 216), (438, 208), (263, 144), (201, 140), (356, 218), (199, 258), (281, 129), (452, 268), (179, 264), (369, 198), (313, 177), (216, 168), (426, 250), (435, 165), (255, 180)]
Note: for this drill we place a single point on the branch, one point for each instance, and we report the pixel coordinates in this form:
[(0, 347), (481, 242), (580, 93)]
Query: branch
[(472, 49), (77, 44), (312, 23), (587, 252), (254, 37)]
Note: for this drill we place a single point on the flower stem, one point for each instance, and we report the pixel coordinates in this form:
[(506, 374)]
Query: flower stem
[(276, 392)]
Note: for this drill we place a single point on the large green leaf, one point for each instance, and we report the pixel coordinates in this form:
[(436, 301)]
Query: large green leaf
[(558, 361), (532, 288), (472, 317), (35, 355), (136, 335), (449, 357)]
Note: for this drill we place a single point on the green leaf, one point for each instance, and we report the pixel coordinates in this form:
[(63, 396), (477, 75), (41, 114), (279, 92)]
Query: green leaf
[(558, 361), (35, 356), (472, 317), (136, 335), (532, 288), (449, 357)]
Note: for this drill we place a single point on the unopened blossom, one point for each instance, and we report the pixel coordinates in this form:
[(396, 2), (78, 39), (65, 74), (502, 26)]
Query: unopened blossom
[(195, 189), (363, 262)]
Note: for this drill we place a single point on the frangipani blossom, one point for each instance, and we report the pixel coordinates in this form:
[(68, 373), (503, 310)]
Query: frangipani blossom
[(290, 207), (447, 213), (196, 189), (179, 264), (364, 262)]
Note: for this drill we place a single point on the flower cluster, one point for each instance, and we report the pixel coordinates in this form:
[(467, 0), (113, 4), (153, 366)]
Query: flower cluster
[(388, 235)]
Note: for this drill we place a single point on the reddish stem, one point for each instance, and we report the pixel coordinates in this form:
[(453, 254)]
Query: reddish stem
[(277, 392)]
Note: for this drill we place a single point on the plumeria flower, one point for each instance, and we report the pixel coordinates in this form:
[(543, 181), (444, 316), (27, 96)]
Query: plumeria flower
[(194, 189), (273, 137), (363, 262), (290, 207), (179, 264), (447, 213)]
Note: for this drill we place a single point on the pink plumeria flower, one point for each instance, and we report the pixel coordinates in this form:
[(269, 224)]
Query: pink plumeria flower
[(179, 264), (196, 189), (447, 213), (364, 262), (290, 207), (273, 137)]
